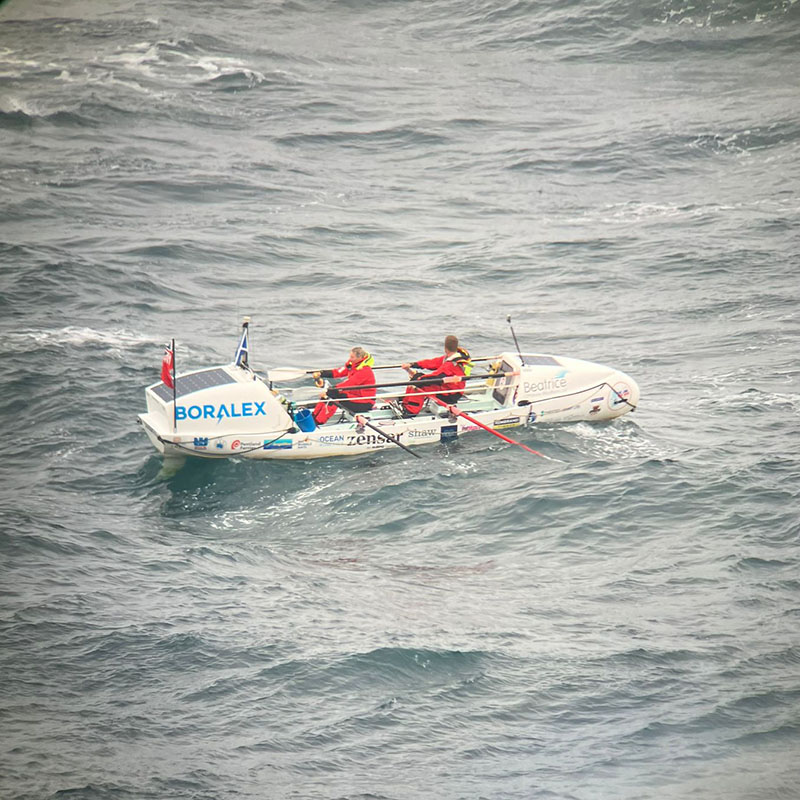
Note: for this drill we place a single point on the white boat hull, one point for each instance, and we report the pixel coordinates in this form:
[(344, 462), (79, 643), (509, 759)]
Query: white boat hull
[(230, 412)]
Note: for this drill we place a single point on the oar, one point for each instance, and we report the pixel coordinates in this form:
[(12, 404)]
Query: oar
[(435, 380), (400, 366), (361, 420), (456, 412), (288, 374), (295, 373), (393, 395)]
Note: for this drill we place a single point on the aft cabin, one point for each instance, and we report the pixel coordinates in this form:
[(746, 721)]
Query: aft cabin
[(223, 405)]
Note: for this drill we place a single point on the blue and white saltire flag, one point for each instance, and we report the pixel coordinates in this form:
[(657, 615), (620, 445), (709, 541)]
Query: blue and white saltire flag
[(243, 350)]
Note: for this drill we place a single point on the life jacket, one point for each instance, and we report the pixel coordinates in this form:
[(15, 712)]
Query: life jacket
[(357, 375), (462, 358), (367, 361)]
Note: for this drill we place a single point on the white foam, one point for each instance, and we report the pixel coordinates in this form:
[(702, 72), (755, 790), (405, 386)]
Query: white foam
[(163, 60), (755, 397), (72, 336), (614, 442)]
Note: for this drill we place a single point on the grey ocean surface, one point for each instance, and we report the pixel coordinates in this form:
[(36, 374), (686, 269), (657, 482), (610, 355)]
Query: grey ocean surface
[(622, 178)]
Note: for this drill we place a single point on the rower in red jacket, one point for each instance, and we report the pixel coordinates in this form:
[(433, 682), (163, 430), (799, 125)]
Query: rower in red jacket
[(453, 367), (347, 394)]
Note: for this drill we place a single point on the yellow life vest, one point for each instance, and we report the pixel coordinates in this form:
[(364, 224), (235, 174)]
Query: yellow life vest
[(367, 361), (462, 358)]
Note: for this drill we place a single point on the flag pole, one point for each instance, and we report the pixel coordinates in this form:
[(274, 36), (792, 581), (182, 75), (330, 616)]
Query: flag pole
[(174, 393)]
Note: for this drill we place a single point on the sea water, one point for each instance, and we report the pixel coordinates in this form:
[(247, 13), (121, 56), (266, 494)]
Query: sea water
[(621, 621)]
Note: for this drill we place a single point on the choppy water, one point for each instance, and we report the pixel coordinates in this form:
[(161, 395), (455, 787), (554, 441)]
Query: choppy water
[(622, 178)]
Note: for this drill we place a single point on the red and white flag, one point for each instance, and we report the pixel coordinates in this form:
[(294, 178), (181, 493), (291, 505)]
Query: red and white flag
[(167, 365)]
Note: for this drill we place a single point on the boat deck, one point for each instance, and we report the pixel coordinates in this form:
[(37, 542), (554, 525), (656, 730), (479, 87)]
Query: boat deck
[(387, 406)]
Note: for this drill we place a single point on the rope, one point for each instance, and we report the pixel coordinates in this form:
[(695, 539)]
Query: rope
[(585, 391), (191, 450)]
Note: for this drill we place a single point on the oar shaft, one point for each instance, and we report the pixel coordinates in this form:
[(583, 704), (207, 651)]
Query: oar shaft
[(377, 430), (398, 366), (392, 395), (434, 380), (457, 412)]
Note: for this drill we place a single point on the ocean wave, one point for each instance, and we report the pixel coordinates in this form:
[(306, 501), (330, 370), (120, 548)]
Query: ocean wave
[(617, 176), (117, 342), (24, 116)]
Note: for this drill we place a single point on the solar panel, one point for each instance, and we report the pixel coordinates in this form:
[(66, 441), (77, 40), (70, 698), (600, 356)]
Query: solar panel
[(187, 384), (540, 361)]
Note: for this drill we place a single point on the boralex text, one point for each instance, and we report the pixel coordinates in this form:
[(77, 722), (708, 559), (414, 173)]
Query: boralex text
[(210, 411)]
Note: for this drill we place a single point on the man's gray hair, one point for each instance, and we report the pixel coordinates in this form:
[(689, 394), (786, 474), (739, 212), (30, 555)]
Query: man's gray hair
[(359, 353)]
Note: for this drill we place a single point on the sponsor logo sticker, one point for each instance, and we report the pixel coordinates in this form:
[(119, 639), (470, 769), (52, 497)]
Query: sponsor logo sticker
[(506, 422), (448, 433), (538, 387), (422, 433), (277, 444), (619, 396), (220, 412)]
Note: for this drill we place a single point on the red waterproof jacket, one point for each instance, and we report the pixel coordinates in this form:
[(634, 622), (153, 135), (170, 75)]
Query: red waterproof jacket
[(446, 366), (355, 375)]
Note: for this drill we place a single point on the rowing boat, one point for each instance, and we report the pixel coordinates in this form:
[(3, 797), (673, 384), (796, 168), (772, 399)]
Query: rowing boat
[(231, 411)]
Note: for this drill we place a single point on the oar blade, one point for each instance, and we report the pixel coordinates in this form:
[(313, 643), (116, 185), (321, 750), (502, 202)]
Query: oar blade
[(286, 374)]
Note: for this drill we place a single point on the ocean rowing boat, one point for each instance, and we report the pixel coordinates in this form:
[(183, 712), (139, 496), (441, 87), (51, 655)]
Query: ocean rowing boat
[(231, 411)]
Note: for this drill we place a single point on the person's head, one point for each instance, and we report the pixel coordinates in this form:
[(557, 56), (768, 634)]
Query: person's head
[(357, 354), (450, 344)]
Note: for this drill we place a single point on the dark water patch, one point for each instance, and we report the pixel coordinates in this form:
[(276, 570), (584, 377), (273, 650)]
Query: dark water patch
[(745, 712), (128, 656), (105, 791), (353, 231), (28, 120), (395, 668), (55, 276), (316, 278), (396, 137), (238, 81), (326, 107), (613, 158), (29, 533), (15, 120), (760, 564), (186, 190), (775, 734), (732, 142), (664, 45)]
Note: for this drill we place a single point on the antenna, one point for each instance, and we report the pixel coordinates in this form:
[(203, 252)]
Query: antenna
[(519, 352)]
